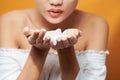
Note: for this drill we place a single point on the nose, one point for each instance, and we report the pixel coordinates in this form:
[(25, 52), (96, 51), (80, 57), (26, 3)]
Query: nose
[(56, 2)]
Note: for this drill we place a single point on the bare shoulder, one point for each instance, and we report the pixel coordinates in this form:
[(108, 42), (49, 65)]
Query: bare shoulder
[(98, 33), (12, 18), (96, 29), (10, 25)]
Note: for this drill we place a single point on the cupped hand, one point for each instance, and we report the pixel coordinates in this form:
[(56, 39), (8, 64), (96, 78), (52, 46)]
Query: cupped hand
[(35, 38), (69, 38)]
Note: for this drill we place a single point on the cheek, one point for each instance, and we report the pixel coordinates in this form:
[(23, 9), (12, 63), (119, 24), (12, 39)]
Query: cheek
[(69, 7), (41, 9), (40, 4), (70, 4)]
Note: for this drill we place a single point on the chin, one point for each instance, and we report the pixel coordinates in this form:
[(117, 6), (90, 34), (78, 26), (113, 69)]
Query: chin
[(55, 20)]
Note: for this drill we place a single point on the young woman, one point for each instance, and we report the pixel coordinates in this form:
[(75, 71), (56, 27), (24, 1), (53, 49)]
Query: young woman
[(75, 51)]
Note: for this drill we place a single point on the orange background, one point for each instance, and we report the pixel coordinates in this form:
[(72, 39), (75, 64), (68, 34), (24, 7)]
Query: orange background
[(109, 9)]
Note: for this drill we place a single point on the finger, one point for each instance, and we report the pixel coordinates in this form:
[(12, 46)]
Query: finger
[(65, 42), (56, 45), (78, 33), (60, 44), (74, 36), (47, 41), (40, 36), (27, 32), (35, 34), (72, 40), (33, 37)]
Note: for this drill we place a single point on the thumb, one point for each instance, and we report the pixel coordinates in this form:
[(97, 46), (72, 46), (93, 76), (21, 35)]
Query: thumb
[(27, 31)]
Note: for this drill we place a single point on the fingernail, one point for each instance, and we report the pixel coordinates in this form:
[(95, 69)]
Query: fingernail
[(43, 29), (54, 43)]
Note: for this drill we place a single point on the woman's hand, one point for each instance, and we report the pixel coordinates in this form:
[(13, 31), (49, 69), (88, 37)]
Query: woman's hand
[(35, 38), (69, 38)]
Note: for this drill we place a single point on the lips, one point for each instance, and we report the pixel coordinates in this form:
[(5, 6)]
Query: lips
[(54, 13)]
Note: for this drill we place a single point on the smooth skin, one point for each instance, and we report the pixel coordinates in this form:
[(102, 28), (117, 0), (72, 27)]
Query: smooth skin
[(25, 29)]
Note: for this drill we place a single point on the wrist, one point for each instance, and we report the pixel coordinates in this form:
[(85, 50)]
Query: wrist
[(37, 53), (34, 48), (41, 48), (66, 50)]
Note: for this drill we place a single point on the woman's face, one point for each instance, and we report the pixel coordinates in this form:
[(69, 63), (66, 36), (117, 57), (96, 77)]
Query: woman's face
[(55, 11)]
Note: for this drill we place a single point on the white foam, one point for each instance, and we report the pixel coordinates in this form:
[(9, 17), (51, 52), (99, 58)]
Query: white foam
[(54, 34)]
